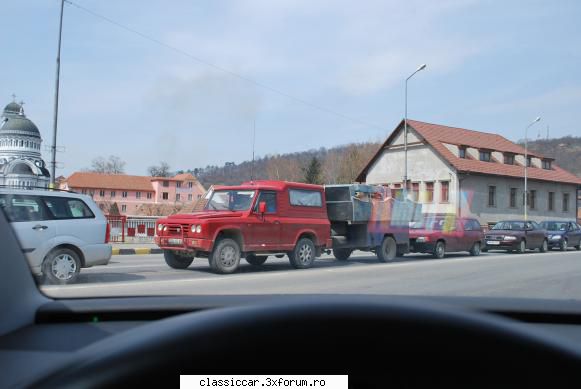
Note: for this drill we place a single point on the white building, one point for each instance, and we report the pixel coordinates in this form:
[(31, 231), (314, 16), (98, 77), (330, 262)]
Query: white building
[(21, 164), (472, 174)]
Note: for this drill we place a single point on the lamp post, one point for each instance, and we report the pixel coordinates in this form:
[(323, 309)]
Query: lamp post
[(405, 136), (56, 102), (538, 119)]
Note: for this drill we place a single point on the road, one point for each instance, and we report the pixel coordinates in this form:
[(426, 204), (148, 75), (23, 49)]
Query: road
[(536, 275)]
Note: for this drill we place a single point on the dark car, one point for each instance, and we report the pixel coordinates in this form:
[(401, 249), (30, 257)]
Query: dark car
[(517, 235), (563, 234), (439, 235)]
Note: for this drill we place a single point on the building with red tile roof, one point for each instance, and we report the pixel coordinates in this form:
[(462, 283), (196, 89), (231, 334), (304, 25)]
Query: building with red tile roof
[(471, 173)]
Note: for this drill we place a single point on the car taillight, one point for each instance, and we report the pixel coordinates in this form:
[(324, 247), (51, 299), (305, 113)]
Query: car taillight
[(107, 233)]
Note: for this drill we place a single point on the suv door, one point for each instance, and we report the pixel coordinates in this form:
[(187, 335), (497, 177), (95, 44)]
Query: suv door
[(265, 229), (32, 224), (75, 219), (472, 233), (574, 234)]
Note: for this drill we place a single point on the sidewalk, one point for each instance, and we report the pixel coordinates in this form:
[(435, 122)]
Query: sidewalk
[(135, 248)]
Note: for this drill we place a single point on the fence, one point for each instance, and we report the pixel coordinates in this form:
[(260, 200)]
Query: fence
[(132, 229)]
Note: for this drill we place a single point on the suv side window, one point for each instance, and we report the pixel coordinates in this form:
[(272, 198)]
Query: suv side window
[(269, 198), (22, 208), (305, 198), (63, 208), (468, 226)]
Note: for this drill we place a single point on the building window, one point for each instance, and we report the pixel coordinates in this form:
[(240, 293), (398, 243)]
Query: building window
[(112, 194), (149, 195), (165, 195), (397, 191), (415, 191), (512, 201), (178, 197), (529, 161), (492, 196), (123, 208), (137, 195), (546, 164), (429, 192), (551, 204), (532, 199), (178, 184), (509, 159), (485, 156), (190, 185), (91, 193), (166, 184), (124, 194), (462, 151), (84, 191), (565, 202), (199, 196), (444, 191), (101, 193), (190, 197)]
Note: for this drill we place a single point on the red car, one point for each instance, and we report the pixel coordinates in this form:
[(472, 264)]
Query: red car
[(442, 234)]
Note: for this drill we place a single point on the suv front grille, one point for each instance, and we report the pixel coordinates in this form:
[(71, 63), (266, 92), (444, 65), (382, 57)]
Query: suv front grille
[(174, 230)]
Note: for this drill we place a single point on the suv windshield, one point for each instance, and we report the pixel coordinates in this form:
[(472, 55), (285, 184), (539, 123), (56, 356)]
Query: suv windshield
[(230, 200), (518, 226)]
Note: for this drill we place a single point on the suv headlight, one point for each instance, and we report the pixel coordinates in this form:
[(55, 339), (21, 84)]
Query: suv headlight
[(160, 227), (510, 238), (199, 228), (193, 229)]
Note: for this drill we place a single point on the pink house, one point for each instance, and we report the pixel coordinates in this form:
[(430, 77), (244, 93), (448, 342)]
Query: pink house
[(131, 192)]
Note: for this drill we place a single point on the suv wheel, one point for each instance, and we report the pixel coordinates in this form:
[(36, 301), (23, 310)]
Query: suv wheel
[(176, 261), (303, 255), (544, 247), (522, 247), (225, 257), (256, 260), (61, 266), (475, 250), (563, 245), (342, 254), (388, 250), (440, 249)]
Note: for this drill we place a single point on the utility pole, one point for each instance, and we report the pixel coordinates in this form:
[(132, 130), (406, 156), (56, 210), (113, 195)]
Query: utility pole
[(253, 142), (56, 102)]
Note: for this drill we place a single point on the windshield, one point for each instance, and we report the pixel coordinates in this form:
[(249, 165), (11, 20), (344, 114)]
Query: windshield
[(293, 146), (555, 226)]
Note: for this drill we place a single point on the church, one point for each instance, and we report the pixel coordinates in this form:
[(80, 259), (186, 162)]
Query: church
[(21, 164)]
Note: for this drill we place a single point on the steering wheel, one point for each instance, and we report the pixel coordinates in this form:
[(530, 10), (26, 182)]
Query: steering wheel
[(377, 343)]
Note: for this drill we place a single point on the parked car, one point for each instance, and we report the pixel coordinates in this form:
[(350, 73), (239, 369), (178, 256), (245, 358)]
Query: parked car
[(60, 232), (563, 234), (517, 235), (439, 235)]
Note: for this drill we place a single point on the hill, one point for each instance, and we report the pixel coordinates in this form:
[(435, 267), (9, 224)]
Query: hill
[(566, 151)]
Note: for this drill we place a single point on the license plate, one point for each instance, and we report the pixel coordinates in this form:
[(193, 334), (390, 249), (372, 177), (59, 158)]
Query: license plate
[(492, 242), (174, 241)]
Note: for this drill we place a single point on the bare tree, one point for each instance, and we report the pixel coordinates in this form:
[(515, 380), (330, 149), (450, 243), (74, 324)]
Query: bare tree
[(111, 165), (162, 170)]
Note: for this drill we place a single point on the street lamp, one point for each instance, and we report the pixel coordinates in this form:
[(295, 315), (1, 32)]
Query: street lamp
[(538, 119), (405, 136)]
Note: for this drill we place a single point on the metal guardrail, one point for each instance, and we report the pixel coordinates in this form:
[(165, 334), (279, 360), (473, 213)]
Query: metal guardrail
[(132, 229)]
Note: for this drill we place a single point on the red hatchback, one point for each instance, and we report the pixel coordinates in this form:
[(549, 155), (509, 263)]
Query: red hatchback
[(442, 234)]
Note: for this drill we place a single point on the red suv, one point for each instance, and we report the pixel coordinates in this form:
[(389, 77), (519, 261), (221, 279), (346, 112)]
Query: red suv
[(442, 234), (251, 221)]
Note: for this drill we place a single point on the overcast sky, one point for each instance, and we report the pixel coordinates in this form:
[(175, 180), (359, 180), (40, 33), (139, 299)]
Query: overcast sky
[(492, 66)]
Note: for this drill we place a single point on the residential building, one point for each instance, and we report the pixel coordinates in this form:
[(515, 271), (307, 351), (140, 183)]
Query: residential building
[(21, 164), (471, 173), (132, 193)]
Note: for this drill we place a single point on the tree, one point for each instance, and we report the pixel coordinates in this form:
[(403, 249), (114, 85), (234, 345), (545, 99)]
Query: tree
[(114, 210), (313, 173), (159, 171), (111, 165)]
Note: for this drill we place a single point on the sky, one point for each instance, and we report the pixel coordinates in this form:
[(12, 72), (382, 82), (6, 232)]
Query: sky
[(308, 73)]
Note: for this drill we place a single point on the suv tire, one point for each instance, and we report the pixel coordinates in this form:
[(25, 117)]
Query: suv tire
[(256, 260), (176, 261), (61, 266), (388, 250), (342, 254), (225, 257), (475, 249), (440, 249), (303, 255)]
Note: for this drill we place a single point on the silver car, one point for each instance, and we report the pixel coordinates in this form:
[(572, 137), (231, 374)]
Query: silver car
[(60, 232)]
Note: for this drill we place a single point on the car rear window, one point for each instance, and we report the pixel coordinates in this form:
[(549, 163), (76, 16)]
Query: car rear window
[(63, 208), (305, 198)]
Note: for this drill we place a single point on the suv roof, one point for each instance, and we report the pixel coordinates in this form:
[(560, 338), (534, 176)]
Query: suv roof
[(42, 192), (269, 184)]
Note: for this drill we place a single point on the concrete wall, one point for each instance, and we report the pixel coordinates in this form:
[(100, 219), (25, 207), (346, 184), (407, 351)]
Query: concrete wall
[(474, 190)]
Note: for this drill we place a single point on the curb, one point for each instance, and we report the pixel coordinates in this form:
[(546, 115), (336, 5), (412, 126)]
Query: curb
[(139, 251)]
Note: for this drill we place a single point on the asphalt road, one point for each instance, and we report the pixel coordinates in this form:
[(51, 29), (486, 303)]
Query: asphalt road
[(536, 275)]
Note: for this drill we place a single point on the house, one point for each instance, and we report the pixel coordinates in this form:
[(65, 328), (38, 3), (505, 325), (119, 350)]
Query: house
[(134, 194), (471, 173)]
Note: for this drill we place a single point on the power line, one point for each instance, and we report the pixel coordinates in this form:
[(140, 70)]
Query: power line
[(222, 69)]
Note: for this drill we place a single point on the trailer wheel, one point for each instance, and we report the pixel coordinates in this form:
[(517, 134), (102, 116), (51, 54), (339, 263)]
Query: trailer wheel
[(388, 250), (225, 257), (303, 255), (256, 260), (342, 254), (176, 261)]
